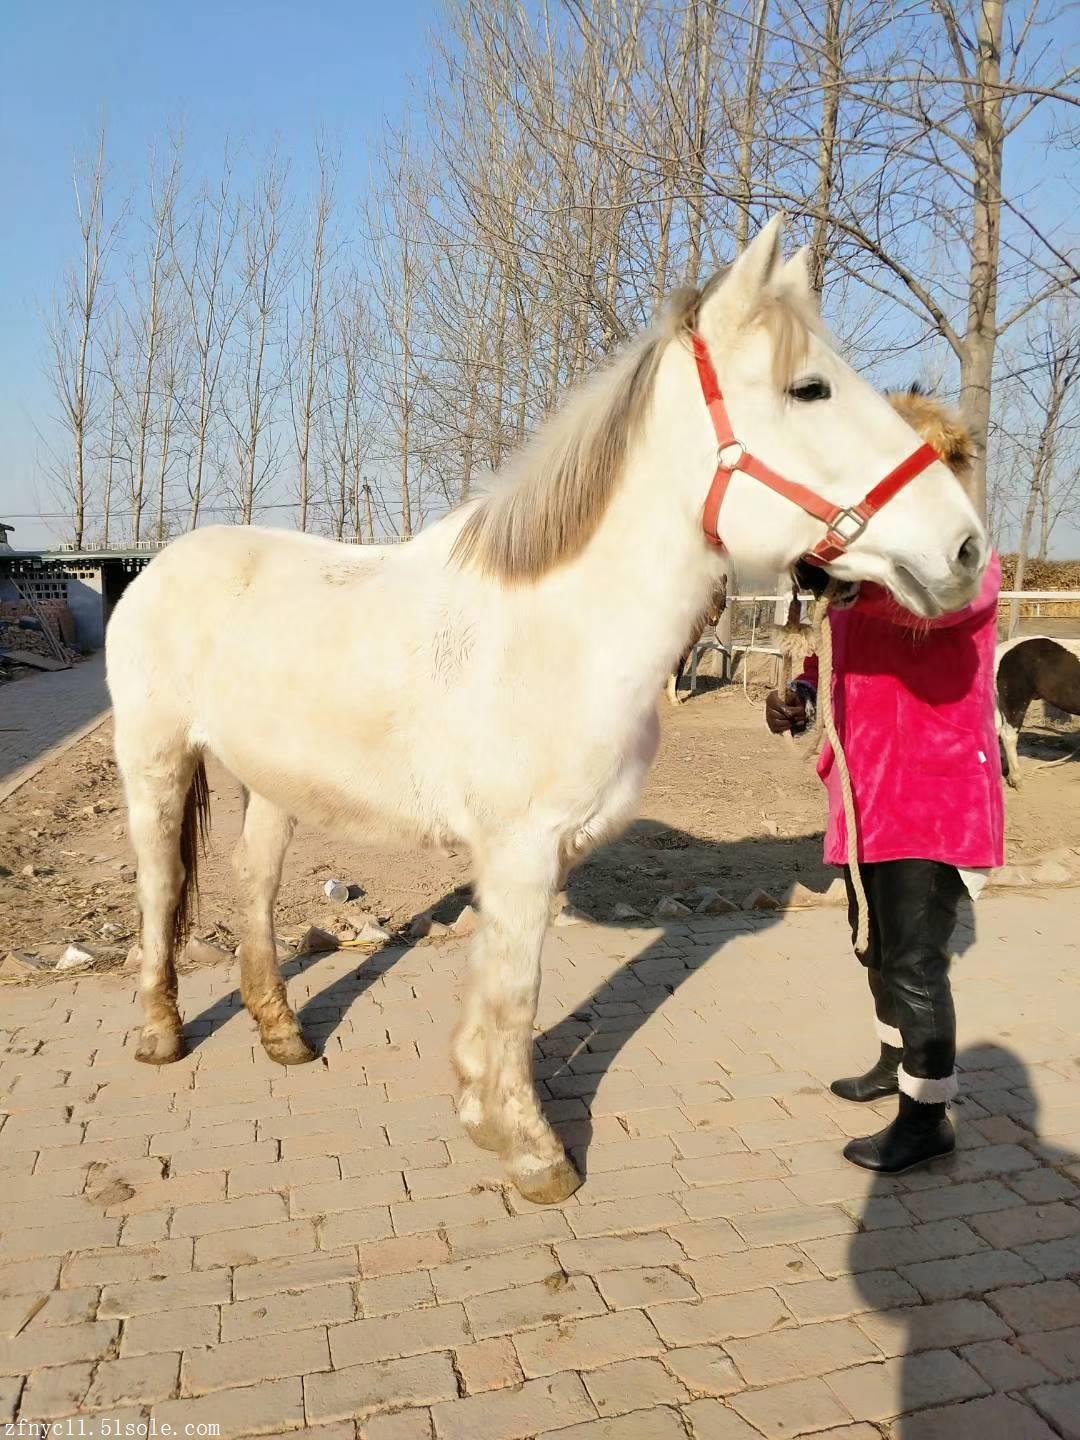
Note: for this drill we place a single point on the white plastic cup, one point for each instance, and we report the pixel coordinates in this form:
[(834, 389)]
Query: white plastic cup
[(336, 890)]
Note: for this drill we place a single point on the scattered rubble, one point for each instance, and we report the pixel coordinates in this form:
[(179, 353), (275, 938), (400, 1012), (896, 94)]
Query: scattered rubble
[(761, 900), (671, 909)]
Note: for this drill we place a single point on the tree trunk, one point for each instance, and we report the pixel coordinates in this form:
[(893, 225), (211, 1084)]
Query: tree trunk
[(831, 72), (977, 350)]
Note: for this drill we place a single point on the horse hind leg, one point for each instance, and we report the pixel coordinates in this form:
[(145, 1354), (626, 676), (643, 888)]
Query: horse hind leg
[(258, 860), (167, 803), (493, 1046)]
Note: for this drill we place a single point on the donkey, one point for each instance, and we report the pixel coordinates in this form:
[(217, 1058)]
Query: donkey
[(707, 620), (1033, 667), (503, 719)]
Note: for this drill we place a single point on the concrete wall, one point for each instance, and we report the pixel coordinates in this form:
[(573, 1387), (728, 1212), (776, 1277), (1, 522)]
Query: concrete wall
[(87, 605)]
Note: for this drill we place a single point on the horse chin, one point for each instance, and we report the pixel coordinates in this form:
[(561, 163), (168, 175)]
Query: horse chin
[(927, 601)]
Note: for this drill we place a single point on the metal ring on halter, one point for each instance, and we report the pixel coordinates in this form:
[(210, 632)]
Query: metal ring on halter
[(731, 445), (857, 522)]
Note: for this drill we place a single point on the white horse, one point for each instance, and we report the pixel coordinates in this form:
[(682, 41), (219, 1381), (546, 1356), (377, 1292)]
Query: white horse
[(463, 689)]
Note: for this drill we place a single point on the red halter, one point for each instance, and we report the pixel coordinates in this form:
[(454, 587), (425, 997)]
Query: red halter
[(844, 523)]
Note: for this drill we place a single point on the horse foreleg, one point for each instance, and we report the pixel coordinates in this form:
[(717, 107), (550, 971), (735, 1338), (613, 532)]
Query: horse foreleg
[(1009, 736), (258, 860), (493, 1046)]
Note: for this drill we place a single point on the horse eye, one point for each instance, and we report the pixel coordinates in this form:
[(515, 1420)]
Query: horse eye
[(814, 388)]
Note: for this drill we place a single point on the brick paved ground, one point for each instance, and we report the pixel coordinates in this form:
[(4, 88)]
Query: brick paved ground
[(42, 711), (227, 1243)]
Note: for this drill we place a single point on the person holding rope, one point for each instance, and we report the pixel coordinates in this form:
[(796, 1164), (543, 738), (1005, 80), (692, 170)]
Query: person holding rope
[(913, 704)]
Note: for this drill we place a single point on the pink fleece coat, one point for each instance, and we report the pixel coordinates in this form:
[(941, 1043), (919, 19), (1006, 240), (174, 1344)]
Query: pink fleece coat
[(914, 707)]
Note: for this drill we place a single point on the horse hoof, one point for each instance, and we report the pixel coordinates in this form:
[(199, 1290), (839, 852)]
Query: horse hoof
[(548, 1186), (160, 1047), (289, 1048)]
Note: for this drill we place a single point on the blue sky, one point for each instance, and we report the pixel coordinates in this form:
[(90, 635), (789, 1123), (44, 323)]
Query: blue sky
[(252, 72)]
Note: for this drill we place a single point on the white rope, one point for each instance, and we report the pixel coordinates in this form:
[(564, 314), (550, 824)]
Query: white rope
[(823, 648)]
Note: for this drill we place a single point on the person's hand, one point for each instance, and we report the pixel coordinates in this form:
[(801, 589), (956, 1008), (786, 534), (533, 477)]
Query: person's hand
[(787, 712)]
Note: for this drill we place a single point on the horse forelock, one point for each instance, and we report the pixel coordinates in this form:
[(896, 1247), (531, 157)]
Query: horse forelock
[(551, 499)]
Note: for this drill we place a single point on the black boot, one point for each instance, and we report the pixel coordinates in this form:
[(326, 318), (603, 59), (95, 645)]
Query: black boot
[(879, 1080), (920, 1133)]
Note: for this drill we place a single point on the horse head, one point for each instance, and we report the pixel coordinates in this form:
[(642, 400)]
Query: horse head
[(799, 414)]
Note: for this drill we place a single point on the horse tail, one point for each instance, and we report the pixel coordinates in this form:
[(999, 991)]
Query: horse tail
[(193, 831)]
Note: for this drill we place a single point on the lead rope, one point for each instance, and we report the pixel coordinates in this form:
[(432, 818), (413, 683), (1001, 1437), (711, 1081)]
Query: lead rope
[(822, 629)]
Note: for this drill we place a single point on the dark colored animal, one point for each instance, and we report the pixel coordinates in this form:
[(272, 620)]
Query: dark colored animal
[(1035, 668)]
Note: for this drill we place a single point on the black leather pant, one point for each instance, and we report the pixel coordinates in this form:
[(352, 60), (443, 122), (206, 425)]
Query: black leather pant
[(913, 909)]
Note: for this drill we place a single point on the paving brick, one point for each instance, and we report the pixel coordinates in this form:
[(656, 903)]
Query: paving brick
[(848, 1295), (586, 1344), (623, 1217), (633, 1385), (944, 1326), (889, 1249), (996, 1418), (651, 1285), (364, 1390), (1027, 1224), (618, 1253), (795, 1353), (915, 1382), (276, 1314), (557, 1298), (712, 1420), (750, 1270), (255, 1244), (281, 1175), (788, 1227), (466, 1278), (305, 1272), (242, 1213), (550, 1404), (354, 1227), (138, 1381), (488, 1365), (707, 1237), (405, 1425), (173, 1330), (62, 1307), (1004, 1365), (1051, 1305), (1053, 1259), (792, 1408), (413, 1217), (704, 1370), (1060, 1404), (24, 1277), (115, 1266), (729, 1201), (246, 1362), (720, 1319), (363, 1341), (954, 1201), (410, 1252), (391, 1294), (54, 1392), (264, 1409), (153, 1297), (10, 1389), (334, 1195), (57, 1239), (39, 1345)]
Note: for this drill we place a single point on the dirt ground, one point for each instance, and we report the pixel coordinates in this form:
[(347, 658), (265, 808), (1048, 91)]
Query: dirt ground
[(727, 806)]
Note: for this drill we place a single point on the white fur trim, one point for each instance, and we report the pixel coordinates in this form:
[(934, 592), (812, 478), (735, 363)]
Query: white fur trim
[(928, 1092), (888, 1034)]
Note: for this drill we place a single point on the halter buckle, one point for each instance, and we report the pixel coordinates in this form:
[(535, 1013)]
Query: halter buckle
[(854, 522), (736, 445)]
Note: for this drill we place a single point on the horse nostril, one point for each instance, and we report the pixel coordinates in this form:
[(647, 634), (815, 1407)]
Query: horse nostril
[(969, 554)]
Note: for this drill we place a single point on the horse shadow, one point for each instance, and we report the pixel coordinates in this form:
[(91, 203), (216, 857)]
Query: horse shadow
[(927, 1289)]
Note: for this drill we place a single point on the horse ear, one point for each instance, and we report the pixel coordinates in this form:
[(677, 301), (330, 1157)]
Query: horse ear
[(794, 276), (739, 288), (758, 263)]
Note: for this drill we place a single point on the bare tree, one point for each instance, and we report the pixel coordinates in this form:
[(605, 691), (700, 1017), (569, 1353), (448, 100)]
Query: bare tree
[(306, 339), (73, 333)]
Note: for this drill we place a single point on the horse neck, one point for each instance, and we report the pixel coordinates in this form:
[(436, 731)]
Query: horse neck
[(647, 573)]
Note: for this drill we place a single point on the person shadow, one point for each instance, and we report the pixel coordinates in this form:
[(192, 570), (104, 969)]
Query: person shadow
[(961, 1273)]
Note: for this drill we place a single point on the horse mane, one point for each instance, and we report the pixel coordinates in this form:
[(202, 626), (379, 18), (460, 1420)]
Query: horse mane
[(939, 426), (556, 491)]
